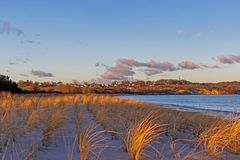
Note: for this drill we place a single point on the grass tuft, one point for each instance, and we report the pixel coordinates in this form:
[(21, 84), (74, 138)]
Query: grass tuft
[(142, 134), (89, 140), (220, 137)]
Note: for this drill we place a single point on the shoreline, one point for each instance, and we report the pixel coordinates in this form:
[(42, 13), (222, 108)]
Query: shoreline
[(214, 110)]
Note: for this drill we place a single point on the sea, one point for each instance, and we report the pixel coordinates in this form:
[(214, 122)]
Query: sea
[(198, 103)]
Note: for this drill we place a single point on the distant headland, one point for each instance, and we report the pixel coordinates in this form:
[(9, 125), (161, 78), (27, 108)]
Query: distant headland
[(159, 87)]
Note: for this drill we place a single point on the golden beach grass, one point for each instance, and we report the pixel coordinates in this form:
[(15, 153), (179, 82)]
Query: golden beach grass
[(137, 123), (221, 137), (142, 134), (89, 140)]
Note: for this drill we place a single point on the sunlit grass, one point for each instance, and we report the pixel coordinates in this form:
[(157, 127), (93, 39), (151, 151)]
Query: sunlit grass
[(139, 125), (89, 140), (220, 137), (142, 134), (52, 122)]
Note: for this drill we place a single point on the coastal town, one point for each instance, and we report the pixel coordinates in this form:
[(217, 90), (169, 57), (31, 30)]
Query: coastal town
[(159, 87)]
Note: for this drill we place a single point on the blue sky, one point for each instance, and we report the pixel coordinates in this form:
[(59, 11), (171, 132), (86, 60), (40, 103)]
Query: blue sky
[(63, 40)]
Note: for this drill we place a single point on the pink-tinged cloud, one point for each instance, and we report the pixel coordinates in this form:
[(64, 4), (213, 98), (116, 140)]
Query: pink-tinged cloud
[(131, 62), (235, 58), (186, 64), (121, 71), (124, 68), (225, 60), (163, 66)]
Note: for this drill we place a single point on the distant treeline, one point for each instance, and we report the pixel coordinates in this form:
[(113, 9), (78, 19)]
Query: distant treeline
[(8, 85), (160, 87)]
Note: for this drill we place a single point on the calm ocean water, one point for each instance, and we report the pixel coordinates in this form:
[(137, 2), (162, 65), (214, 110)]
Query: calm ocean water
[(203, 103)]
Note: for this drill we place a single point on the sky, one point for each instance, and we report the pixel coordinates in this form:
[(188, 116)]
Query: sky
[(106, 40)]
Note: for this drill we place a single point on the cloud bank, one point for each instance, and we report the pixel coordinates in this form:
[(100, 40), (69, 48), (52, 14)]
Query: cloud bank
[(125, 69), (229, 59), (41, 74), (188, 65)]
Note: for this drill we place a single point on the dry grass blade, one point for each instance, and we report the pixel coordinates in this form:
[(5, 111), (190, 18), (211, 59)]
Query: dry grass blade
[(101, 114), (5, 150), (69, 147), (221, 137), (52, 122), (78, 116), (90, 140), (33, 118), (142, 134)]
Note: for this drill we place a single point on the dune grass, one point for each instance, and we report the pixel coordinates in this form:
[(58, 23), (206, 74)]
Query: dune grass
[(121, 112), (51, 124), (221, 137), (20, 114), (78, 114), (139, 125), (33, 119), (142, 134), (129, 119), (89, 140)]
